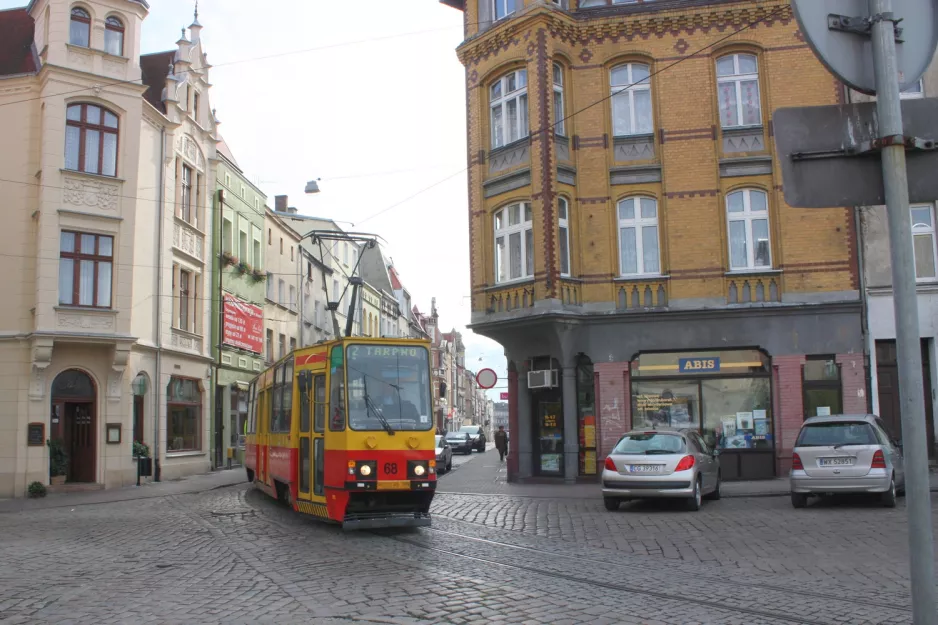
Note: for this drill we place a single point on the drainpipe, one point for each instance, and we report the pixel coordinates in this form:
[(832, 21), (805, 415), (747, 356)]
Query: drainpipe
[(216, 410), (158, 307)]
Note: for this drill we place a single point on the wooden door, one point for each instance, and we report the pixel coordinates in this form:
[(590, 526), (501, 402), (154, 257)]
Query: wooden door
[(138, 418), (80, 441), (887, 372)]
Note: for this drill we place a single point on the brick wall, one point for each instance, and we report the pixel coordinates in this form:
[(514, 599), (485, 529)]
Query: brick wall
[(789, 406), (853, 380), (614, 404)]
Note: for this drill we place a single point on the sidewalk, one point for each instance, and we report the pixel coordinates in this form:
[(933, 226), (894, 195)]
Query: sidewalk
[(148, 490), (485, 475)]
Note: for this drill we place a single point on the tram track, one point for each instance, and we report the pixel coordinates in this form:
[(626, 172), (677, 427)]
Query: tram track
[(672, 574)]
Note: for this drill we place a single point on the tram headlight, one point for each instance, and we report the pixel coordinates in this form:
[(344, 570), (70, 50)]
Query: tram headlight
[(419, 470), (365, 470)]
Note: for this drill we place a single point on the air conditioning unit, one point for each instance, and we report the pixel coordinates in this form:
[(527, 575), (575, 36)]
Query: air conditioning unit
[(546, 378)]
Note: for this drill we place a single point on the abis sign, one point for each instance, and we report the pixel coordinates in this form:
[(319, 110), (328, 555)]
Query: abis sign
[(244, 325)]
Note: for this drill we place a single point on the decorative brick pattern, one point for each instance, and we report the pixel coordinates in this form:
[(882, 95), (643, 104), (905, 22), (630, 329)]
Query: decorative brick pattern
[(853, 383), (789, 406), (614, 404)]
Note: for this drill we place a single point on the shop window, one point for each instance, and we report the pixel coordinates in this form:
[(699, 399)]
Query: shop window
[(823, 392), (586, 415), (563, 224), (638, 236), (631, 100), (114, 36), (85, 269), (560, 122), (184, 406), (923, 238), (79, 32), (508, 104), (738, 89), (737, 413), (747, 214), (514, 243), (665, 404), (91, 134)]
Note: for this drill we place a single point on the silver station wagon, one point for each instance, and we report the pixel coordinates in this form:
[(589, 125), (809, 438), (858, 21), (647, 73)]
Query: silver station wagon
[(846, 454), (653, 464)]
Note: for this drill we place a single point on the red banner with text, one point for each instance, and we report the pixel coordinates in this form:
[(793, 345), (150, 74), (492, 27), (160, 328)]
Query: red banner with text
[(244, 325)]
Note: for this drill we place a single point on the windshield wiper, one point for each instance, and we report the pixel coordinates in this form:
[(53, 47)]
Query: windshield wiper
[(370, 405)]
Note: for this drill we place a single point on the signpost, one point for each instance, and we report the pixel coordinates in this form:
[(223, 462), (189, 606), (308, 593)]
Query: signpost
[(486, 378), (861, 42)]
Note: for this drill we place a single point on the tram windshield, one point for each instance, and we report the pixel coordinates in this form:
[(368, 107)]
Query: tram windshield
[(388, 388)]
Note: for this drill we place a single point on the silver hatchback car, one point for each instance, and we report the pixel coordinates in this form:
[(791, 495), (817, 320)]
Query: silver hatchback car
[(652, 464), (846, 454)]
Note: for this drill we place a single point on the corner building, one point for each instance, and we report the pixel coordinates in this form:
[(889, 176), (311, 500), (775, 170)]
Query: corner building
[(629, 232)]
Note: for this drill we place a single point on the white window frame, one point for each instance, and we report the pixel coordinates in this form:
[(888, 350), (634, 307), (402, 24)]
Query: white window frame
[(915, 92), (500, 103), (738, 79), (292, 297), (560, 122), (523, 227), (500, 8), (630, 88), (639, 223), (563, 231), (748, 216), (922, 229)]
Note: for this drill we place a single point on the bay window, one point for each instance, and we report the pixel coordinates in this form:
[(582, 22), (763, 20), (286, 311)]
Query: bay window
[(923, 241), (560, 121), (748, 223), (631, 100), (79, 30), (738, 89), (114, 36), (508, 102), (638, 237), (91, 139), (85, 269), (563, 228), (514, 243), (504, 8)]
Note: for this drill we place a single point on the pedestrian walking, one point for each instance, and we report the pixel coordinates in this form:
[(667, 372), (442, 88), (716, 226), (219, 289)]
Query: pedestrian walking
[(501, 443)]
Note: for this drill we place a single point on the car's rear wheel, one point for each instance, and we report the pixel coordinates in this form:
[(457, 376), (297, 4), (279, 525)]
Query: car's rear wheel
[(799, 500), (717, 492), (449, 465), (889, 497), (696, 500), (611, 503)]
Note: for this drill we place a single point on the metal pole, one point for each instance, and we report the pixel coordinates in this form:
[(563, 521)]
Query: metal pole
[(912, 402)]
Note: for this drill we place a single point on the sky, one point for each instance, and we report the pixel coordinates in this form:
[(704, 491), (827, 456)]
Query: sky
[(368, 97)]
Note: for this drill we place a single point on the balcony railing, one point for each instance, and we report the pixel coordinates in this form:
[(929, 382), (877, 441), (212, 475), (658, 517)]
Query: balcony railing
[(510, 298), (571, 292), (642, 295), (753, 288)]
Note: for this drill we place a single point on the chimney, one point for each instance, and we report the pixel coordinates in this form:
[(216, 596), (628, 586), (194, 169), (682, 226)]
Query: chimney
[(280, 203)]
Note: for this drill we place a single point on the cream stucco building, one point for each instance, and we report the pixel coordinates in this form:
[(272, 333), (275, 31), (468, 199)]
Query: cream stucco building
[(104, 182), (281, 306)]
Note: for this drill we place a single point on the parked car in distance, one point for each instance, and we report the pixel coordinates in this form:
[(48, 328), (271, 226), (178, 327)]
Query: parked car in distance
[(460, 442), (477, 434), (444, 455), (661, 463), (846, 454)]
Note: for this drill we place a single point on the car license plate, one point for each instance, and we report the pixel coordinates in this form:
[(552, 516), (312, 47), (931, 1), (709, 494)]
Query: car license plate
[(394, 485), (836, 462), (645, 468)]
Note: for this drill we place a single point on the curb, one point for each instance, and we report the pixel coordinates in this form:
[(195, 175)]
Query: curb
[(933, 489)]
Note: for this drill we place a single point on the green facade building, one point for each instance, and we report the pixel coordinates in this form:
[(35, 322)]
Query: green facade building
[(237, 303)]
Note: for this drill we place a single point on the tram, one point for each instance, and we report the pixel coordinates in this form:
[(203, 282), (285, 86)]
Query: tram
[(343, 431)]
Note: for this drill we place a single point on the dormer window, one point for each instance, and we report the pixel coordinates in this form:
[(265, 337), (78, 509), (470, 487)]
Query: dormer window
[(114, 36), (79, 33)]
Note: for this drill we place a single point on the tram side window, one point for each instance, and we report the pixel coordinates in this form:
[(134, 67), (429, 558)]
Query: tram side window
[(304, 401), (286, 404), (337, 390), (252, 409), (319, 405), (277, 408)]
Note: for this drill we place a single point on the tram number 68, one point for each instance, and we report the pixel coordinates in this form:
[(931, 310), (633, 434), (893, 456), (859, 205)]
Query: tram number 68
[(390, 468)]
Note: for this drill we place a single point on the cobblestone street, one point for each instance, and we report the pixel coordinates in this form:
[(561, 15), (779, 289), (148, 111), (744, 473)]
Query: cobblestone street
[(231, 555)]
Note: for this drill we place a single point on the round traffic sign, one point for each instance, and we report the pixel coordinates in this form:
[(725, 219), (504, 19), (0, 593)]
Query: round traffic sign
[(486, 378)]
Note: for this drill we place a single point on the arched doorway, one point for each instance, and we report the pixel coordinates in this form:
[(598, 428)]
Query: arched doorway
[(73, 422), (139, 386)]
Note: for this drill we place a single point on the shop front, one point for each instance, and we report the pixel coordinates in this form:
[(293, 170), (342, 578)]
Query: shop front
[(724, 395)]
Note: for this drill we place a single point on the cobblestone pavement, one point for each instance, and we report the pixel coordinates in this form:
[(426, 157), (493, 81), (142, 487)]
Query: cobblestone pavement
[(232, 555)]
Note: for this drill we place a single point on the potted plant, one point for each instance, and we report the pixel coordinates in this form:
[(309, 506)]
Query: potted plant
[(144, 462), (242, 268), (58, 462), (258, 276), (228, 259)]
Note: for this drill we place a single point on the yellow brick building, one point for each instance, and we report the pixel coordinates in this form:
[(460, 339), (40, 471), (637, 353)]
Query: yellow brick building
[(627, 221)]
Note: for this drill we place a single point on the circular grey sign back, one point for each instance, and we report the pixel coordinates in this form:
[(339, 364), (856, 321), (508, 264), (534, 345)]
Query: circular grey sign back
[(849, 56)]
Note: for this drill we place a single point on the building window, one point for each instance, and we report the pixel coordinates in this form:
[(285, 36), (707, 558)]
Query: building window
[(195, 115), (184, 406), (559, 117), (226, 235), (184, 294), (291, 253), (638, 236), (187, 194), (292, 344), (91, 139), (748, 222), (114, 36), (631, 100), (270, 286), (292, 297), (514, 243), (923, 239), (503, 8), (281, 246), (821, 384), (79, 32), (282, 292), (257, 251), (563, 222), (508, 100), (243, 246), (283, 346), (269, 236), (914, 92), (85, 269), (738, 87), (270, 345)]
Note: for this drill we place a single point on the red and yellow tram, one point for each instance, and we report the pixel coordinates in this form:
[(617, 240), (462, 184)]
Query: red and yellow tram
[(343, 431)]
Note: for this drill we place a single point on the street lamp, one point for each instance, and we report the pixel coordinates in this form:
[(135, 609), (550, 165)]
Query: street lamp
[(312, 186)]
